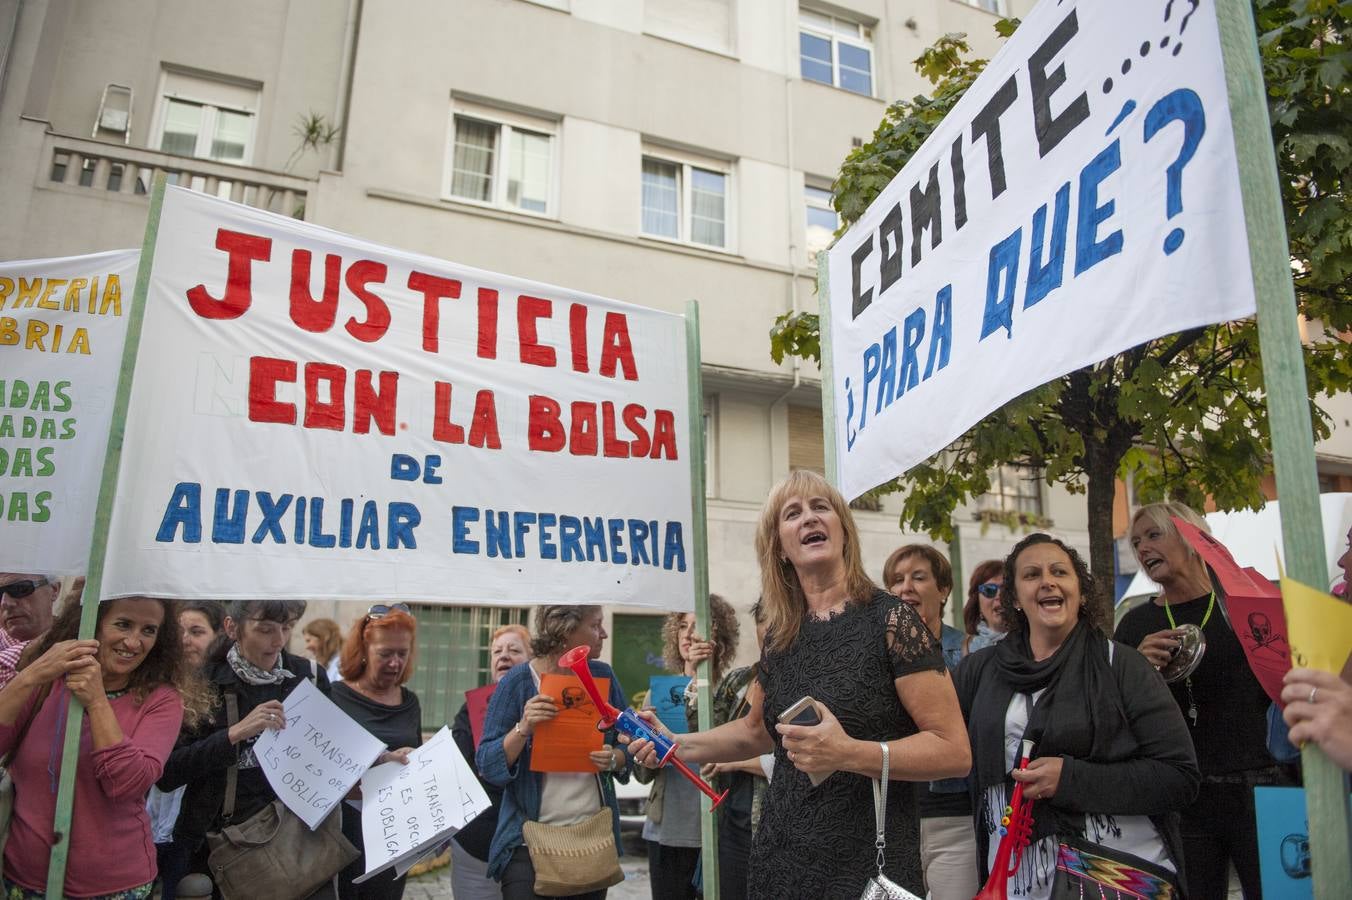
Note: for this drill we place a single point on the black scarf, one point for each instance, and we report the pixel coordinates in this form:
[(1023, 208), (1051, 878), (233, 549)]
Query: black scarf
[(1079, 715)]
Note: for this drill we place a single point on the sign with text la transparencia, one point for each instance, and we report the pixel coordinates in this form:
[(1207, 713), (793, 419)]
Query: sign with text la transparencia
[(62, 327), (317, 758), (313, 414), (1080, 199), (408, 810)]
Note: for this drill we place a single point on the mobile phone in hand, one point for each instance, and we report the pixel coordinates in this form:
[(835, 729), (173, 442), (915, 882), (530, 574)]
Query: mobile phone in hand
[(802, 712)]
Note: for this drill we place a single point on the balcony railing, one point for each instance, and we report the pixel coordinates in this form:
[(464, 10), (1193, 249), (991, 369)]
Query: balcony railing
[(130, 171)]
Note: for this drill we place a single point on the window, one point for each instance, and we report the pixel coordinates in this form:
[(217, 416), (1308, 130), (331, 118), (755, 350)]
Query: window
[(453, 657), (685, 202), (822, 221), (994, 6), (706, 24), (807, 448), (502, 161), (836, 51), (1014, 489), (208, 118)]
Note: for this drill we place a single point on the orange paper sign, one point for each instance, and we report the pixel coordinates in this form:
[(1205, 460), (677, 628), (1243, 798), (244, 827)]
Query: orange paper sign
[(562, 743)]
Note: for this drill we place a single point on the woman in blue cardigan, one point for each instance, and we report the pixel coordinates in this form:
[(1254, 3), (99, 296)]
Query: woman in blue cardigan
[(517, 708)]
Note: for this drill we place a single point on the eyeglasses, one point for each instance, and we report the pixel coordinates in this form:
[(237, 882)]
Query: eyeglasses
[(378, 610), (20, 589), (990, 590)]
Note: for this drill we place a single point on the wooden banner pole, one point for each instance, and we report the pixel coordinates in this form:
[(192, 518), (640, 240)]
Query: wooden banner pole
[(93, 589), (1288, 401), (699, 556)]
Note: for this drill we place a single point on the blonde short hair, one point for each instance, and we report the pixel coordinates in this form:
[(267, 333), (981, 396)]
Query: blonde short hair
[(1160, 515)]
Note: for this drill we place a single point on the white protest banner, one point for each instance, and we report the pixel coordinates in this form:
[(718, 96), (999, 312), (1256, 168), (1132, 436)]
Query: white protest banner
[(313, 415), (1080, 199), (317, 758), (61, 335), (410, 809)]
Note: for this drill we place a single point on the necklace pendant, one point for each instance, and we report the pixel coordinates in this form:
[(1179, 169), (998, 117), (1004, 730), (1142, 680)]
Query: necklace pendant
[(1192, 715)]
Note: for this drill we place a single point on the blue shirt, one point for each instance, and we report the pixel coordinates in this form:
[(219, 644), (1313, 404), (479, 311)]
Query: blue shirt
[(950, 642), (521, 786)]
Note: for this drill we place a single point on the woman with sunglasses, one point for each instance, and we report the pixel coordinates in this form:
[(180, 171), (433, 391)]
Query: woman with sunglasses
[(377, 660), (981, 613), (252, 664)]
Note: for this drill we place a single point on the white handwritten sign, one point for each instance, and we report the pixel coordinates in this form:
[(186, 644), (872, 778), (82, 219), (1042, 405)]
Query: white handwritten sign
[(410, 809), (318, 757)]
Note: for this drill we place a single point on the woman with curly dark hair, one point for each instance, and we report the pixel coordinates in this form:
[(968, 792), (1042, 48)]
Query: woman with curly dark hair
[(672, 829), (1112, 762), (126, 679)]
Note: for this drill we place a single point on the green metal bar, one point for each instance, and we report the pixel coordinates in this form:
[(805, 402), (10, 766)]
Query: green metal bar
[(699, 555), (827, 370), (1288, 399), (98, 547)]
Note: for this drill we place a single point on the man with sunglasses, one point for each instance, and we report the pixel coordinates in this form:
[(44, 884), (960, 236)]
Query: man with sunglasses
[(25, 612)]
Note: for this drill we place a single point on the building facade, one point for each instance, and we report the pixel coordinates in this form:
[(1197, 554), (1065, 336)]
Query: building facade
[(653, 151)]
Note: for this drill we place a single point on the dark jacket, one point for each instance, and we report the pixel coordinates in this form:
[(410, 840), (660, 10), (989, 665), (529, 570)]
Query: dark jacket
[(1156, 779), (202, 755)]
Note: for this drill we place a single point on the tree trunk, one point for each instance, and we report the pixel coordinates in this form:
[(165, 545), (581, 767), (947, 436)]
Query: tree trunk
[(1101, 469)]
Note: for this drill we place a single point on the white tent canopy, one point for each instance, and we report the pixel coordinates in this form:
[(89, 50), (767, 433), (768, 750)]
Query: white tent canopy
[(1255, 539)]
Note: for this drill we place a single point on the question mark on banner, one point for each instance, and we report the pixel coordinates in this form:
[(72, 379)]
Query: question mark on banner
[(1182, 105)]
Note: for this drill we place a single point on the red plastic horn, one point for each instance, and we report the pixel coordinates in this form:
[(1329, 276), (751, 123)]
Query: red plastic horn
[(632, 724)]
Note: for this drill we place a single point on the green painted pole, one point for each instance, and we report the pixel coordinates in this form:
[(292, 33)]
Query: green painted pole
[(98, 547), (699, 545), (827, 370), (1288, 400)]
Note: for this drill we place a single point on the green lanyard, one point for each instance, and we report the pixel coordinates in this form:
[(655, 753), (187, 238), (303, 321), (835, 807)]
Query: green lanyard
[(1187, 682), (1205, 618)]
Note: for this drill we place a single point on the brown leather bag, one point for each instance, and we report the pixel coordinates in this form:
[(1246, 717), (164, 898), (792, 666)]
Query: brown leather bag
[(273, 853)]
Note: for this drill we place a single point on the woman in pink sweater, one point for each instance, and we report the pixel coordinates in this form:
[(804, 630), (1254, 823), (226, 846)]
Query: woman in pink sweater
[(128, 681)]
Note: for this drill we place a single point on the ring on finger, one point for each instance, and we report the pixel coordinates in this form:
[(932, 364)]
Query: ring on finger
[(1312, 693)]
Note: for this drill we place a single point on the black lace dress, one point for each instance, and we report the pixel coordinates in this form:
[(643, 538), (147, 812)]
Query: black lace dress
[(819, 842)]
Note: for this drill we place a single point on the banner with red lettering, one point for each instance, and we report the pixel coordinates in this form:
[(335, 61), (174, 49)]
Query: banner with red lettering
[(317, 416), (62, 326)]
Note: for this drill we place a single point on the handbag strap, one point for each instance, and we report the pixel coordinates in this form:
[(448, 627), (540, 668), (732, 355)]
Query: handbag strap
[(232, 773), (880, 806)]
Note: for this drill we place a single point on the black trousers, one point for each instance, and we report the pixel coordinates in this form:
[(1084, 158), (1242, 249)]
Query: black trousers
[(734, 853), (671, 871), (518, 880), (1218, 829), (384, 886)]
